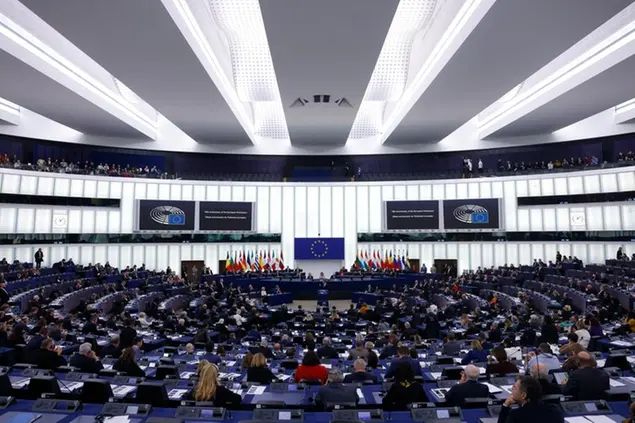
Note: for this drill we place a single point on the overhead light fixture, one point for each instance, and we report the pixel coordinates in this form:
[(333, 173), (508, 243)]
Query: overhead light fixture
[(625, 107), (9, 107), (590, 57), (42, 51)]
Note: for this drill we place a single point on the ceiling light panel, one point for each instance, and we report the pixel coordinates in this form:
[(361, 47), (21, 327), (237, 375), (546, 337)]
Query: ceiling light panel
[(254, 76), (9, 112)]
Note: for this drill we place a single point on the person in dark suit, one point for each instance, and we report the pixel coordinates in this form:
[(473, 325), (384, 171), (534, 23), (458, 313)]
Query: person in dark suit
[(128, 363), (451, 346), (259, 372), (540, 372), (405, 390), (502, 366), (39, 258), (335, 391), (468, 387), (90, 328), (588, 382), (112, 349), (48, 356), (326, 350), (403, 354), (360, 374), (373, 359), (36, 340), (526, 394), (4, 294), (127, 335), (86, 360)]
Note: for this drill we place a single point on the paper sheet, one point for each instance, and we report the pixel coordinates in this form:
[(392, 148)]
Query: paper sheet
[(493, 389), (601, 363), (237, 391), (360, 394), (117, 419), (230, 363), (284, 377), (600, 419), (256, 390), (176, 394), (328, 366), (616, 383), (576, 420), (631, 379), (507, 388), (186, 375), (436, 375)]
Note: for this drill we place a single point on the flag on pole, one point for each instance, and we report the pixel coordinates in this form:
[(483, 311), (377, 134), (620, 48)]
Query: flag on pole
[(371, 260), (227, 263), (261, 262), (406, 261), (281, 261)]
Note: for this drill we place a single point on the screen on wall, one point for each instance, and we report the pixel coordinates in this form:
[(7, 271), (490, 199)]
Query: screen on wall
[(412, 215), (165, 215), (226, 216), (471, 214)]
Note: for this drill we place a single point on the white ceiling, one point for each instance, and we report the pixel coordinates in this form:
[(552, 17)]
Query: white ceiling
[(326, 47)]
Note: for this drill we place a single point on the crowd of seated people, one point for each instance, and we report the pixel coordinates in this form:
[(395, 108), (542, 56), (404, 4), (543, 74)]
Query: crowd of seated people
[(398, 340)]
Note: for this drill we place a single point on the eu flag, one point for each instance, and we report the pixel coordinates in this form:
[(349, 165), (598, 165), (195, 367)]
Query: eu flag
[(319, 248)]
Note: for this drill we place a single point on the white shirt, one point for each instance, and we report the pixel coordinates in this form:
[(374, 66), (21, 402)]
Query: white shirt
[(583, 337), (239, 319)]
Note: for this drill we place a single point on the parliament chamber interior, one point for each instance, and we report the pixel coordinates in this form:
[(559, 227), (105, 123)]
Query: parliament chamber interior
[(334, 211)]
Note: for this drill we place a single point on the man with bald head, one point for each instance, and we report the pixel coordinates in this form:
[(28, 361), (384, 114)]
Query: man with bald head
[(588, 382), (360, 374), (468, 387)]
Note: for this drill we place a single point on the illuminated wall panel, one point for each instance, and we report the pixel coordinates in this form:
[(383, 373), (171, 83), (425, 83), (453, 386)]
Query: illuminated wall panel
[(238, 193), (608, 182), (524, 254), (560, 185), (164, 191), (476, 255), (400, 192), (26, 221), (524, 223), (463, 259), (140, 191), (115, 189), (101, 221), (522, 190), (350, 224), (412, 192), (225, 193), (43, 221), (362, 206), (200, 192), (534, 187), (326, 212), (88, 221), (546, 185), (592, 184), (186, 192), (594, 218), (112, 255), (461, 191), (500, 254), (512, 254), (90, 188), (77, 187), (262, 210), (28, 185), (86, 255), (425, 192), (45, 186), (438, 192), (100, 253), (612, 218), (62, 187), (175, 192), (103, 189), (487, 258), (162, 257), (152, 192), (376, 206), (127, 206), (212, 193), (450, 192), (535, 219), (626, 181), (151, 257), (509, 205), (275, 207), (338, 212), (300, 212), (628, 217), (473, 190), (549, 219), (288, 224), (562, 219), (114, 222), (75, 221), (313, 211)]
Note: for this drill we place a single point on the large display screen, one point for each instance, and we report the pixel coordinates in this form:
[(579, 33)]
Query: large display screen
[(471, 214), (412, 215), (226, 216), (165, 215)]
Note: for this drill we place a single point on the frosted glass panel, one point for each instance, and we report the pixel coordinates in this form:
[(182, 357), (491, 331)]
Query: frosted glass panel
[(72, 252), (338, 212), (7, 219), (174, 257), (262, 210), (288, 229), (512, 254), (547, 186), (62, 187), (537, 252), (438, 192), (88, 221), (58, 253), (626, 181), (608, 182), (212, 193), (412, 192), (463, 262), (362, 206), (509, 205), (26, 220), (28, 185), (138, 255), (162, 257), (450, 191), (560, 186), (461, 191), (115, 190), (112, 255), (628, 217), (594, 219), (485, 190), (487, 250), (225, 193), (550, 252), (151, 257), (313, 212), (86, 254), (535, 217), (325, 214), (451, 250), (103, 189), (524, 254), (549, 219), (427, 255), (164, 191), (125, 256), (99, 254), (300, 212), (350, 227), (199, 192), (43, 221), (575, 185), (521, 188), (387, 193), (275, 217), (500, 254), (439, 253), (611, 218), (425, 192), (592, 184), (579, 250), (127, 207), (596, 253), (101, 221), (476, 258), (497, 190), (238, 193), (534, 187), (400, 192), (523, 220), (75, 221), (140, 191), (175, 192), (473, 190), (45, 186), (375, 207), (90, 188), (24, 254), (152, 191), (114, 224), (186, 192), (562, 218)]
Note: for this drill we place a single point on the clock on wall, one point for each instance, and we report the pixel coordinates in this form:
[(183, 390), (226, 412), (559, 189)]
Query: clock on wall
[(577, 219), (60, 221)]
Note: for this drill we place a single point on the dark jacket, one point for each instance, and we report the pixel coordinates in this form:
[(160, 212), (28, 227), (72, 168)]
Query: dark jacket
[(90, 329), (373, 360), (414, 364), (531, 413), (85, 364), (452, 348), (35, 342), (261, 375), (470, 389), (336, 392), (587, 384), (501, 368), (549, 388), (222, 398), (475, 356), (327, 352), (400, 395), (129, 367), (359, 377), (126, 337), (45, 359), (110, 350)]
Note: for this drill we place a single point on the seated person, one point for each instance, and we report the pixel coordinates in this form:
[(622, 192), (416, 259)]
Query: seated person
[(36, 340), (502, 366), (360, 374), (326, 350), (311, 368), (358, 352), (335, 391), (48, 356), (540, 372), (526, 393), (373, 359), (476, 354), (468, 387), (86, 360), (127, 363), (209, 353), (404, 391), (208, 389), (588, 382), (451, 346), (571, 348), (112, 349), (543, 356), (259, 372), (403, 354)]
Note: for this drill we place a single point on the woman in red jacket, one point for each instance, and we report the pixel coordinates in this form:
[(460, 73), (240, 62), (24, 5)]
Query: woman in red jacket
[(311, 368)]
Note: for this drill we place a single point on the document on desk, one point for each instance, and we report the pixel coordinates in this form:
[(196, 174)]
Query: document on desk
[(187, 375), (507, 388), (230, 363), (616, 383), (122, 390), (117, 419), (256, 390), (600, 419), (176, 394), (576, 420), (21, 383), (630, 379), (436, 375), (600, 363), (286, 377), (328, 366), (238, 391), (360, 394), (493, 389)]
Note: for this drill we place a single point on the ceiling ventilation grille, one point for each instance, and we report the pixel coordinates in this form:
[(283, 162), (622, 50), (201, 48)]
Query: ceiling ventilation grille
[(321, 99)]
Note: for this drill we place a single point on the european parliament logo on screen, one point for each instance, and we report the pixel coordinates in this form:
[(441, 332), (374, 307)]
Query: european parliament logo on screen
[(168, 215), (471, 214)]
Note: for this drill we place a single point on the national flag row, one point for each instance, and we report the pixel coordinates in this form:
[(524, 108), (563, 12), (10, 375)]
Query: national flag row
[(254, 261), (375, 260)]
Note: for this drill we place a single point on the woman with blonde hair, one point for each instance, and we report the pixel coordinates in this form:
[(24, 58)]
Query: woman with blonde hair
[(259, 372), (208, 389), (247, 361), (201, 365), (476, 354)]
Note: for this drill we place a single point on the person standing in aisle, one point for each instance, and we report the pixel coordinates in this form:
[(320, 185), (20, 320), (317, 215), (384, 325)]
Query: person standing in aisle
[(39, 258)]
